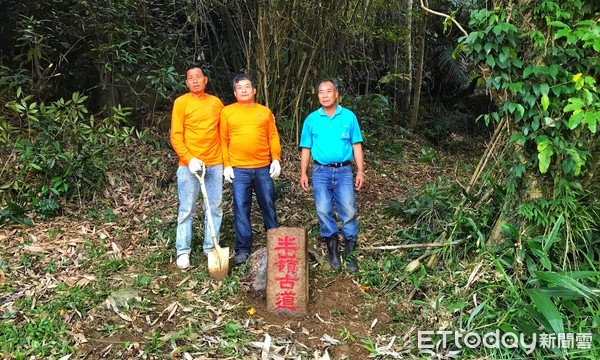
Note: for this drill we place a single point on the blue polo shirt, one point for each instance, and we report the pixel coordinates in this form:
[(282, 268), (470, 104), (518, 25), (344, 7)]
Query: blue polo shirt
[(330, 138)]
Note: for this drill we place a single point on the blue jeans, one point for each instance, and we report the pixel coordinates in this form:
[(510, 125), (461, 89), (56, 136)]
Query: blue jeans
[(335, 186), (244, 182), (188, 188)]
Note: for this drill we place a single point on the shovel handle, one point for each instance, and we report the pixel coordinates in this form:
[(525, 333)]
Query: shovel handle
[(208, 212)]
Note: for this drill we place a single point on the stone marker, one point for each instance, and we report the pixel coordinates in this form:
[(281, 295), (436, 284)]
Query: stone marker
[(287, 271)]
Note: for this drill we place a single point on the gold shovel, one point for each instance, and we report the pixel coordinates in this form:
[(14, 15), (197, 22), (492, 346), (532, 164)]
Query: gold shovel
[(218, 257)]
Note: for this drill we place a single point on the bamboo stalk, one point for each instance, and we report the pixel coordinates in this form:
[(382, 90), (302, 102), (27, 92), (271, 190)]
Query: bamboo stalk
[(476, 174), (413, 246)]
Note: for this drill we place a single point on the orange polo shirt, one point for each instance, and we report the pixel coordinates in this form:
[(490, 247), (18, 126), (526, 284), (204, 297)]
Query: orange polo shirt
[(249, 137), (195, 129)]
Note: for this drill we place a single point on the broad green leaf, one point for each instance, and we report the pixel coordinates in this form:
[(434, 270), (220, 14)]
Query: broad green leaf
[(472, 37), (565, 280), (575, 104), (511, 107), (553, 70), (509, 230), (589, 98), (545, 102), (502, 58), (544, 158), (553, 236), (591, 120), (546, 307), (519, 138), (548, 121), (498, 29), (490, 61), (561, 292), (529, 99), (591, 275), (579, 162), (575, 119), (517, 63), (539, 317), (487, 47), (545, 261), (474, 313), (559, 24), (520, 109), (535, 123), (542, 143)]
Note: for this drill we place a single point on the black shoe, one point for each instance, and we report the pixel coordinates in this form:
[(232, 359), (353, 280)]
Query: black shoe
[(350, 256), (240, 258), (332, 252)]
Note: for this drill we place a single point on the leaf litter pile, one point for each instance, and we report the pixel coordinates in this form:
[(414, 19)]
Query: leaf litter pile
[(99, 281)]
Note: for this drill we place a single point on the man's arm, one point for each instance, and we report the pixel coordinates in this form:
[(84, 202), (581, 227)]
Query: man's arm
[(176, 135), (274, 143), (224, 133), (360, 166), (304, 159)]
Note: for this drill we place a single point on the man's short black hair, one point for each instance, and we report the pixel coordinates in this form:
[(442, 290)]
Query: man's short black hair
[(196, 66), (241, 77)]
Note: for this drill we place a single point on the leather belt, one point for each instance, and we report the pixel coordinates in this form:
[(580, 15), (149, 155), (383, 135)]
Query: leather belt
[(335, 165)]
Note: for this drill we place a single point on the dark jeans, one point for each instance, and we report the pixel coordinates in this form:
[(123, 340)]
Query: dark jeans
[(244, 182)]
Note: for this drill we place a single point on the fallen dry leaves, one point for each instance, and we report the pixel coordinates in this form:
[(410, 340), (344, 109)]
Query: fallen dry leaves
[(106, 245)]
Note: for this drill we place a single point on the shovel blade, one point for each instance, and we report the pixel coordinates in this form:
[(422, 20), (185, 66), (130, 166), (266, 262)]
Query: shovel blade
[(218, 263)]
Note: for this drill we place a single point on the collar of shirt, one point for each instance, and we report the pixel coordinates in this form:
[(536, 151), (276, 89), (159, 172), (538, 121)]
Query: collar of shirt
[(338, 110)]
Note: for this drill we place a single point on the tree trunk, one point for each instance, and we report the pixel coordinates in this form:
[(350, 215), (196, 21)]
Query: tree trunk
[(416, 98), (408, 64)]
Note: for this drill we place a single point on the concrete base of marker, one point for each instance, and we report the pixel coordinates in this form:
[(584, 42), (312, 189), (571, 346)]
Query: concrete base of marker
[(287, 271)]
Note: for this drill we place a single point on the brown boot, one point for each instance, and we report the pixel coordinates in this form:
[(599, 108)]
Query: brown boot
[(350, 256), (332, 252)]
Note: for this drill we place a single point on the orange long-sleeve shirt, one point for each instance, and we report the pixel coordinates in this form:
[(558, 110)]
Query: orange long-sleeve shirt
[(249, 137), (195, 129)]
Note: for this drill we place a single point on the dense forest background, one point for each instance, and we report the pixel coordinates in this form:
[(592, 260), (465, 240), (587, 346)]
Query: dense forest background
[(133, 53), (84, 82)]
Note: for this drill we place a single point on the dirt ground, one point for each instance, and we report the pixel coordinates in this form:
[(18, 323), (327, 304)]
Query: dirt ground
[(124, 240)]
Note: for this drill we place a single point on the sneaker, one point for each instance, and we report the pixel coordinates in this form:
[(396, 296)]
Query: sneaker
[(240, 258), (183, 261)]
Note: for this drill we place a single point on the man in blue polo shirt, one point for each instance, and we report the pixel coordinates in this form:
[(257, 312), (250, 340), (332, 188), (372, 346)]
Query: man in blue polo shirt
[(332, 136)]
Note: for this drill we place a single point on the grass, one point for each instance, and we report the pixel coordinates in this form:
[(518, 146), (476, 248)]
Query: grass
[(471, 287), (42, 336)]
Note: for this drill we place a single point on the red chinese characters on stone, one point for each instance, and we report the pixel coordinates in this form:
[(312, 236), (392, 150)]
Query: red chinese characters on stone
[(287, 282), (287, 261), (286, 300), (286, 257)]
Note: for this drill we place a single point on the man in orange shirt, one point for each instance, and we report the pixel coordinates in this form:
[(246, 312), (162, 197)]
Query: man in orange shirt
[(196, 140), (251, 156)]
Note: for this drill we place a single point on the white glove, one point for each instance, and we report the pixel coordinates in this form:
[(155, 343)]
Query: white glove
[(228, 174), (275, 169), (195, 165)]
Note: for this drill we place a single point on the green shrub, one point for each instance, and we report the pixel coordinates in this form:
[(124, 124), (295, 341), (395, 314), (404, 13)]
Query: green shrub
[(61, 151)]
